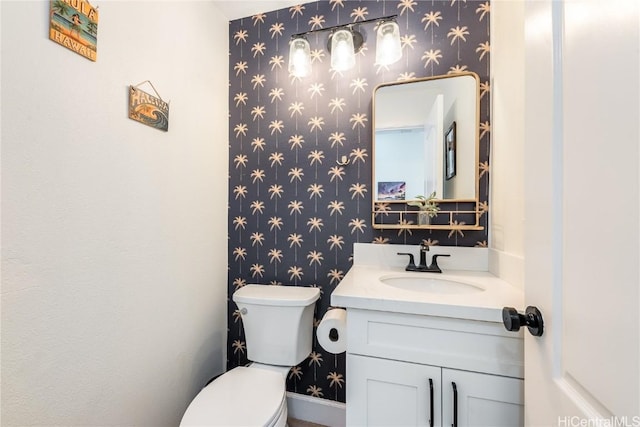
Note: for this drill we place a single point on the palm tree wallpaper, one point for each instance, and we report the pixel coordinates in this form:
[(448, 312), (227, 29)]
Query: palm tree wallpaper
[(294, 211)]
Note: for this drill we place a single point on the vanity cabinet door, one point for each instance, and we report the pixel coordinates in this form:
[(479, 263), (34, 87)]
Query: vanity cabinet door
[(386, 393), (482, 400)]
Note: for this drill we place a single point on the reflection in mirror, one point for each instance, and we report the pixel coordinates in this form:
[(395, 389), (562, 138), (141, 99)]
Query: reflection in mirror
[(426, 138)]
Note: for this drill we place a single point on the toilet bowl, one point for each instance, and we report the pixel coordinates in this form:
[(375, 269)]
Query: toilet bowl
[(278, 325), (244, 396)]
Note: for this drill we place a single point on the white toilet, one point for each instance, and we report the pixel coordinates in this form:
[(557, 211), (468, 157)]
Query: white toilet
[(278, 325)]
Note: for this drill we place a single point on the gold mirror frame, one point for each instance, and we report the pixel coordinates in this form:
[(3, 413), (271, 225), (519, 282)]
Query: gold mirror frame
[(396, 214)]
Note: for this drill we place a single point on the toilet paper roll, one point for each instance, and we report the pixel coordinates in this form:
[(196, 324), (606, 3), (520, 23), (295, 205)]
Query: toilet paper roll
[(332, 331)]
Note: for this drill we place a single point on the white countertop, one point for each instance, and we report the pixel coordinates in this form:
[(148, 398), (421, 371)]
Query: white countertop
[(362, 288)]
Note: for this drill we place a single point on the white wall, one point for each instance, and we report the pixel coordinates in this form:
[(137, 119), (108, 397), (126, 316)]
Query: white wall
[(506, 230), (113, 233)]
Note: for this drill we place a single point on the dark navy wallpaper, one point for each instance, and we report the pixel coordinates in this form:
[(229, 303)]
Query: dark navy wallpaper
[(294, 212)]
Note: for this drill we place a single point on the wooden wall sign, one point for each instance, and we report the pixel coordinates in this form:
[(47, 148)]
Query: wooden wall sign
[(148, 109), (74, 25)]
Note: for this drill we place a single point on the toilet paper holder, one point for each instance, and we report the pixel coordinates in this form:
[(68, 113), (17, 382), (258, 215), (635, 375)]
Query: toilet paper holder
[(332, 331)]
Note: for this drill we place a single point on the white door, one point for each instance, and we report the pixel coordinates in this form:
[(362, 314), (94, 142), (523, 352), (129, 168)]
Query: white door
[(582, 227)]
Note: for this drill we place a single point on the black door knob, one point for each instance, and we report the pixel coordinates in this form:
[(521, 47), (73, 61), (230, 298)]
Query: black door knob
[(532, 319)]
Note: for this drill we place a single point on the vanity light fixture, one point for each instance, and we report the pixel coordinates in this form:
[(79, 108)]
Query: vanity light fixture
[(344, 42)]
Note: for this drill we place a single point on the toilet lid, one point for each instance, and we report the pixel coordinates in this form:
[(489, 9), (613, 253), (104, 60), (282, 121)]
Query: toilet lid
[(241, 397)]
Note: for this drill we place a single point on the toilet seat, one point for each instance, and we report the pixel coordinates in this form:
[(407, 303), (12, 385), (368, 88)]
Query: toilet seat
[(244, 396)]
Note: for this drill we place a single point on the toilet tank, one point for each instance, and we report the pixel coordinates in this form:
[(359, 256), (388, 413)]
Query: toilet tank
[(278, 322)]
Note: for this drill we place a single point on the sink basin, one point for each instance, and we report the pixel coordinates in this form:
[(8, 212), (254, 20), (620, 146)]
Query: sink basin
[(429, 284)]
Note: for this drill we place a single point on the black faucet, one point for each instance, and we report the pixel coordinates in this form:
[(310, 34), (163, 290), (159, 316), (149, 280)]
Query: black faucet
[(423, 256), (422, 266)]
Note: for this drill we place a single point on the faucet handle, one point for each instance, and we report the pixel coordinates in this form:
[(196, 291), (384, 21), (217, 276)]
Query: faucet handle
[(412, 261), (424, 247), (434, 263)]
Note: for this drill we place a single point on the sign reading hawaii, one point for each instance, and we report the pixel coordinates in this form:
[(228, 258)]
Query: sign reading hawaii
[(74, 25), (148, 109)]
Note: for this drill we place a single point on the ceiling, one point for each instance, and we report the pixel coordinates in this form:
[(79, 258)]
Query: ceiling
[(242, 8)]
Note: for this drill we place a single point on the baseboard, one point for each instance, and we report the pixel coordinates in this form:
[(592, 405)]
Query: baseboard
[(316, 410)]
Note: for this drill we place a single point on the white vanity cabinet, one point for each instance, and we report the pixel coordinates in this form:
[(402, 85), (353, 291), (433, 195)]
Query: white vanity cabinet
[(401, 369)]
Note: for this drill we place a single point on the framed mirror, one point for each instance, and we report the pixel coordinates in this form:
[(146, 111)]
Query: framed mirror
[(425, 143)]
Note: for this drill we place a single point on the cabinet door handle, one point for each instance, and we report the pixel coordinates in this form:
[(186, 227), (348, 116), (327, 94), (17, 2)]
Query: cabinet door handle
[(455, 404), (431, 402)]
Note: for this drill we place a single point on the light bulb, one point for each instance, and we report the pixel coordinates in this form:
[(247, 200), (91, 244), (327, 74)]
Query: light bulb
[(342, 53), (300, 57), (388, 48)]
